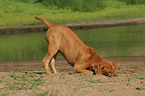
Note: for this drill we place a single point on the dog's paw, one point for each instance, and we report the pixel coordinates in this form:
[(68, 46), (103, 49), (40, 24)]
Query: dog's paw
[(57, 73)]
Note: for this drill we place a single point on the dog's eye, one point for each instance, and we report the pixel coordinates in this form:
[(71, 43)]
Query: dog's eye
[(95, 66), (103, 67), (109, 71)]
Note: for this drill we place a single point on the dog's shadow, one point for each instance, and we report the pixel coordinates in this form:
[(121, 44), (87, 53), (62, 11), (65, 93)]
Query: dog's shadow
[(39, 73)]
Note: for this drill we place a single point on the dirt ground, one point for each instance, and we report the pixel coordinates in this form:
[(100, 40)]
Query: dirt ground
[(31, 80)]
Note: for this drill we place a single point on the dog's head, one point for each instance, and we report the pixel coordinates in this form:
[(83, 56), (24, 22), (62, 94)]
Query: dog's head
[(107, 68)]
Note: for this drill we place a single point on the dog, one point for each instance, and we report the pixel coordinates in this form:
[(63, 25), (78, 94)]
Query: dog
[(81, 56)]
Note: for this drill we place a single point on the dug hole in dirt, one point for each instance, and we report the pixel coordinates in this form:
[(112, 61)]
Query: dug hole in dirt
[(130, 80)]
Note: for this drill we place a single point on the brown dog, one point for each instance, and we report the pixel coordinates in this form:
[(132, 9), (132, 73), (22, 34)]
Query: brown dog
[(81, 56)]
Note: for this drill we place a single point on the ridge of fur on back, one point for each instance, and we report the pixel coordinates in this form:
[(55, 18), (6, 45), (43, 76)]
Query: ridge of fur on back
[(44, 21)]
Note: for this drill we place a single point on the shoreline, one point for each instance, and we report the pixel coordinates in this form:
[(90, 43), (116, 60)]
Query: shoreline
[(73, 26), (29, 65)]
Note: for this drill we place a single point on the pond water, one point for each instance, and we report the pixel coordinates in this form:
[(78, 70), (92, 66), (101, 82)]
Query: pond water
[(124, 41)]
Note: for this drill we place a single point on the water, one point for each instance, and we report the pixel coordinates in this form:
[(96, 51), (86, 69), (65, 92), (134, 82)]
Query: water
[(125, 41)]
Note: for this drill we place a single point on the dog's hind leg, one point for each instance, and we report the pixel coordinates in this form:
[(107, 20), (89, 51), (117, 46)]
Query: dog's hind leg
[(45, 62), (53, 39), (49, 59), (52, 62)]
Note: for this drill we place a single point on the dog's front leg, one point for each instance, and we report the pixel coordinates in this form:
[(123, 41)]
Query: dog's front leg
[(81, 68)]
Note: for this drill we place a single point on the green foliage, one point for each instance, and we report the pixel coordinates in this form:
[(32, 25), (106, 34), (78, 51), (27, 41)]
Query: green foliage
[(133, 1), (76, 5), (22, 12), (84, 5)]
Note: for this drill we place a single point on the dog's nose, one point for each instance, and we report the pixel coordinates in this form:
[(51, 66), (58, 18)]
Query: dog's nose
[(114, 74)]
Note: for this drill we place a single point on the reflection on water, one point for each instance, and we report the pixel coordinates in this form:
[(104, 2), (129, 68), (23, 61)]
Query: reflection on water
[(124, 41)]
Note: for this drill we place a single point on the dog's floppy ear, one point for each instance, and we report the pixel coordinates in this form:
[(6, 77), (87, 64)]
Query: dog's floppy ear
[(117, 66)]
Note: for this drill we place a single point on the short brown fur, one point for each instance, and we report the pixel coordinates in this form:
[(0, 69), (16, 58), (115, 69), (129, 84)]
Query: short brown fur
[(82, 57)]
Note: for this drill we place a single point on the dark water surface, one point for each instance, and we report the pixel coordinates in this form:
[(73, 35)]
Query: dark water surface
[(125, 41)]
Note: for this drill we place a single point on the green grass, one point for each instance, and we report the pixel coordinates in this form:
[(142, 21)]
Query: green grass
[(110, 91), (20, 81), (137, 77), (24, 82), (125, 41), (18, 12)]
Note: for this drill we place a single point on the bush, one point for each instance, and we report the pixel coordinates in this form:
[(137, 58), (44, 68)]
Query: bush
[(76, 5), (133, 1), (84, 5)]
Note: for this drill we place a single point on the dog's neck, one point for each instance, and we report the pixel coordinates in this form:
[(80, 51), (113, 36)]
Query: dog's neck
[(97, 59)]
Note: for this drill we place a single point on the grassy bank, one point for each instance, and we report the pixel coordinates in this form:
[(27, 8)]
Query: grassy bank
[(18, 12), (125, 41)]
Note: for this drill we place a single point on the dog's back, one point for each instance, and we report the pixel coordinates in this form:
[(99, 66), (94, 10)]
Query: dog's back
[(66, 41)]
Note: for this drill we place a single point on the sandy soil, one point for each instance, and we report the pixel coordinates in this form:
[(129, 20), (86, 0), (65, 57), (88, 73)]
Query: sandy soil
[(130, 82)]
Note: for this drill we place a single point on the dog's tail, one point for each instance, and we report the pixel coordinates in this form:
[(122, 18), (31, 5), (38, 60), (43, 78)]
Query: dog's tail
[(44, 21)]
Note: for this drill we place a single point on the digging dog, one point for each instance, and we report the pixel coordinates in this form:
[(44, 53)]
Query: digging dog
[(81, 56)]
